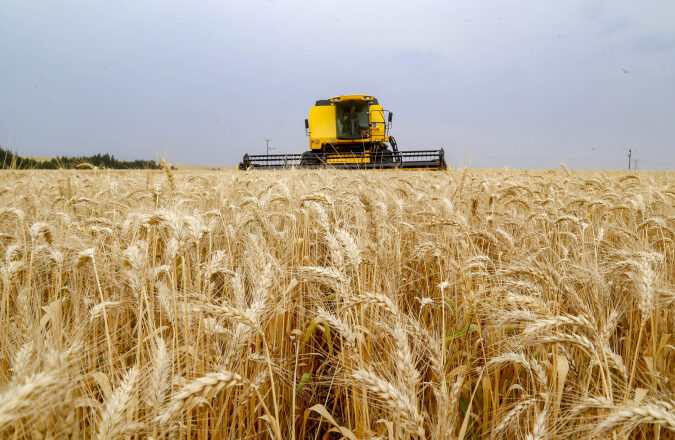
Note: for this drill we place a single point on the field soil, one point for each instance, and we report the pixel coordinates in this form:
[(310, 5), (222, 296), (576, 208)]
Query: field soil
[(319, 304)]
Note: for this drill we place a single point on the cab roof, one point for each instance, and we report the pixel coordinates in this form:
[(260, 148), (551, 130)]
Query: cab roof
[(343, 98)]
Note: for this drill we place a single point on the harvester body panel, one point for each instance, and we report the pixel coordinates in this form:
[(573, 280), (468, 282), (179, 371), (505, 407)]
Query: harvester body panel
[(322, 126)]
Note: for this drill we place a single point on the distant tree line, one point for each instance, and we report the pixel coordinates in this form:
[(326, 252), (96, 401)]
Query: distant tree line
[(9, 160)]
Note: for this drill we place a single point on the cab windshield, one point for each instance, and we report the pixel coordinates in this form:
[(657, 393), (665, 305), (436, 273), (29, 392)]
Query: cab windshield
[(352, 120)]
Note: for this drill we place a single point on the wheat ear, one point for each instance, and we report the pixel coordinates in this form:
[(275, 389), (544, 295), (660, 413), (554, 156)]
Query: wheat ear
[(159, 377), (515, 413), (246, 317), (632, 416), (169, 174), (112, 423), (202, 388), (397, 400), (15, 401)]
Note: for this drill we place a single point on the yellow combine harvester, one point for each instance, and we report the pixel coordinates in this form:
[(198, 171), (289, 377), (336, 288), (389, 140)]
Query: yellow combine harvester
[(349, 132)]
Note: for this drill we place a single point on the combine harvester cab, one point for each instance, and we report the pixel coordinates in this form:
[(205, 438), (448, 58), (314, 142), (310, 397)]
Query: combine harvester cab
[(349, 132)]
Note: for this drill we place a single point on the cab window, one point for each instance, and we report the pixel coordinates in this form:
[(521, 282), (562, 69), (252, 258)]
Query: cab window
[(352, 120)]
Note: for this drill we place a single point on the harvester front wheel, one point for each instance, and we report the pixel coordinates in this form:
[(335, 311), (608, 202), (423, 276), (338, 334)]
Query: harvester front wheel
[(309, 159), (386, 159)]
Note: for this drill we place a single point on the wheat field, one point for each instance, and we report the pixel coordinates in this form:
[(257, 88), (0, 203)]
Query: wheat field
[(323, 304)]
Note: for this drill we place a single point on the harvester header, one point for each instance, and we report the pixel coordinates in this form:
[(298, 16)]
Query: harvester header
[(349, 132)]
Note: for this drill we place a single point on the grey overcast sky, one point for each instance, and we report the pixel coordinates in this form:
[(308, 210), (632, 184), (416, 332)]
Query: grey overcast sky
[(526, 83)]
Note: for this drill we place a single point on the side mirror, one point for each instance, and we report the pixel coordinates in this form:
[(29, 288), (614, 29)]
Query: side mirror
[(306, 124), (391, 116)]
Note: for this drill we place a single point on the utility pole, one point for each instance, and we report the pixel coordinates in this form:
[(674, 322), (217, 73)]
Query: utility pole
[(268, 146), (629, 154)]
